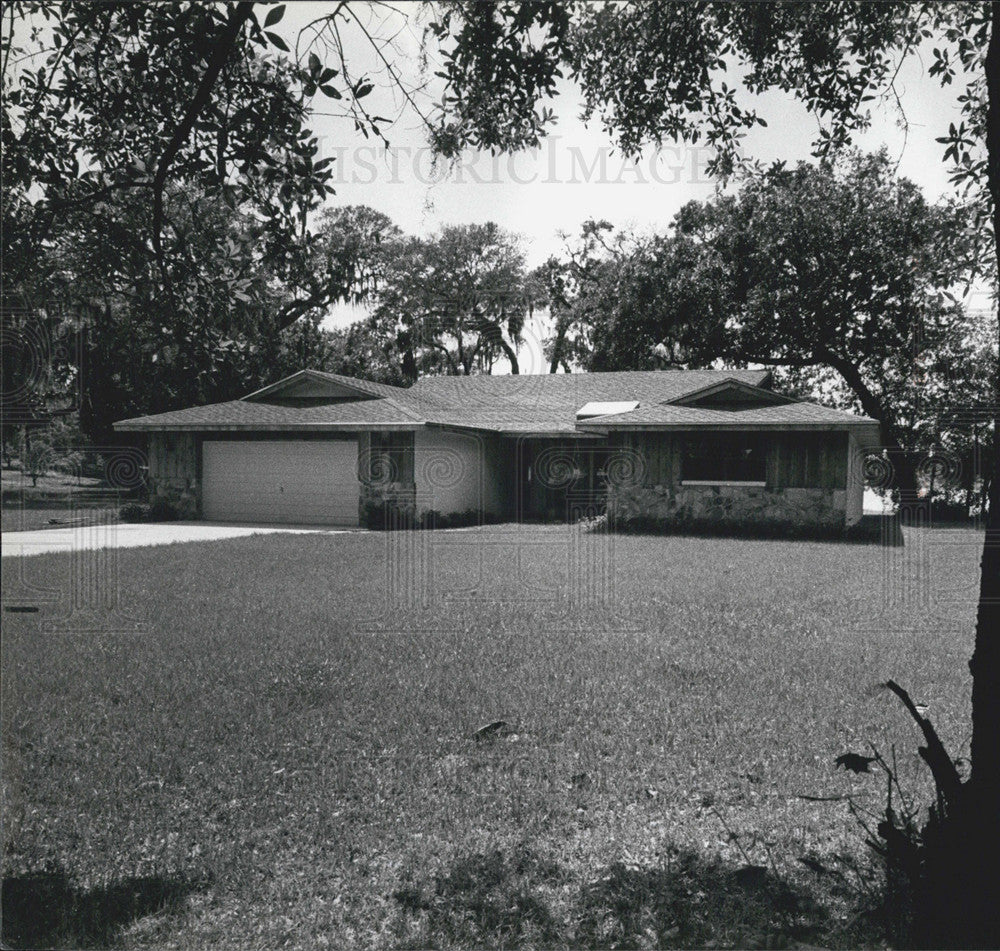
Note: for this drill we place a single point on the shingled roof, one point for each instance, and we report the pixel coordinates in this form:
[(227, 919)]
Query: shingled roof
[(252, 415), (787, 415), (516, 405), (571, 390)]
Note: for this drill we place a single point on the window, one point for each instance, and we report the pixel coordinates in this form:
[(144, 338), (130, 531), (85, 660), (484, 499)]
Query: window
[(724, 457), (391, 457)]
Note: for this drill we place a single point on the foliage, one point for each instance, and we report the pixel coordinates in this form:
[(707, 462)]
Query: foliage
[(346, 259), (655, 73), (134, 512), (499, 58), (131, 98), (578, 287), (35, 454), (160, 510), (158, 173), (143, 353), (840, 273), (455, 302), (623, 301), (844, 267), (157, 510)]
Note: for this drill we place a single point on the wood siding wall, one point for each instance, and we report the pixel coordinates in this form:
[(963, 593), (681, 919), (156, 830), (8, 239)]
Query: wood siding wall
[(173, 457)]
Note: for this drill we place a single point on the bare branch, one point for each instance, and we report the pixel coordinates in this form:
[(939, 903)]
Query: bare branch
[(934, 754)]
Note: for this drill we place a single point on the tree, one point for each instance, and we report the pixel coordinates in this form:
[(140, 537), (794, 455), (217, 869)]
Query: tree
[(455, 302), (840, 266), (656, 72), (131, 98), (35, 454), (158, 177), (581, 288), (623, 302), (940, 400), (354, 350), (141, 349), (345, 260)]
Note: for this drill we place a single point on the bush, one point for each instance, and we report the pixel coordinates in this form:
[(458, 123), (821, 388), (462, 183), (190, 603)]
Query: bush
[(160, 510), (433, 519), (134, 512), (383, 516), (386, 516), (872, 529), (35, 454)]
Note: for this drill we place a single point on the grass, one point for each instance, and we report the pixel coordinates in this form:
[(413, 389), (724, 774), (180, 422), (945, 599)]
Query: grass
[(281, 755), (57, 500)]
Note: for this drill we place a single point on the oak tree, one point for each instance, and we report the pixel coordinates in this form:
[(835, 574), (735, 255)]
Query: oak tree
[(669, 71)]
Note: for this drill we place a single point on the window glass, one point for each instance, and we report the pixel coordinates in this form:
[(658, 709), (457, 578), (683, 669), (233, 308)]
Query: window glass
[(392, 452), (724, 457)]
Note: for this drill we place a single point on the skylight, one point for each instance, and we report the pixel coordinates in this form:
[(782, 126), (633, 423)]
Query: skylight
[(590, 410)]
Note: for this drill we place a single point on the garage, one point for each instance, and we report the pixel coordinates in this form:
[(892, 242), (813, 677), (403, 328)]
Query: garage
[(290, 481)]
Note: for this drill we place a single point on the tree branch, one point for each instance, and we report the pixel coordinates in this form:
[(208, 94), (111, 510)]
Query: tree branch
[(945, 773), (221, 49)]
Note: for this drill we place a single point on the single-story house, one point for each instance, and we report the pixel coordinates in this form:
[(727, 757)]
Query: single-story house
[(673, 446)]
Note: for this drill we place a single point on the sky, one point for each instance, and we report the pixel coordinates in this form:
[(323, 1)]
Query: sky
[(576, 174)]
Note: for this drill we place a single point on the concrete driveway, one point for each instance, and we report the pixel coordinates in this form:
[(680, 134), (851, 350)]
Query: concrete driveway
[(130, 535)]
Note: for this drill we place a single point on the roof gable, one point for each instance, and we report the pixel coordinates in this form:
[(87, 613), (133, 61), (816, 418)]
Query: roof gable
[(310, 386), (732, 394)]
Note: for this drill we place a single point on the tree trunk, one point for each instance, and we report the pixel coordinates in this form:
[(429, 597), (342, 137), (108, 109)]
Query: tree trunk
[(508, 350), (985, 663), (903, 467), (958, 908), (562, 326)]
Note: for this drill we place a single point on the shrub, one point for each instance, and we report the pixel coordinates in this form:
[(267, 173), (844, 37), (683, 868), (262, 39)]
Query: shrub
[(160, 510), (433, 519), (35, 454), (386, 515), (134, 512)]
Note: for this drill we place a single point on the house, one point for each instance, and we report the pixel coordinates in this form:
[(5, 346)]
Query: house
[(682, 447)]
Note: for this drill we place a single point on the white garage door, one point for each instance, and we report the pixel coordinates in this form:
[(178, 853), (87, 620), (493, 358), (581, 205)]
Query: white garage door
[(303, 481)]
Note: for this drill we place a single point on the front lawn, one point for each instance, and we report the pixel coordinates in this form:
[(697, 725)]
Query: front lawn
[(268, 742)]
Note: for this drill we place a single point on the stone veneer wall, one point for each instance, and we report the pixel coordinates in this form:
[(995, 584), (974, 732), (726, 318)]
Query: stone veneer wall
[(173, 472), (780, 511)]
